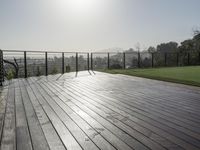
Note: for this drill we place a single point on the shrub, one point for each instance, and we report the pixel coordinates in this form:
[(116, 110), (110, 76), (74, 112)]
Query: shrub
[(116, 66), (10, 74), (38, 71), (67, 68), (54, 70)]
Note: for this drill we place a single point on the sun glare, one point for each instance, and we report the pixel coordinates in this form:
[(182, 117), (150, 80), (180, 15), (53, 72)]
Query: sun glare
[(78, 7)]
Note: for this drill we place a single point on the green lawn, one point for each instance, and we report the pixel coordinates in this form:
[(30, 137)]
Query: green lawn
[(186, 75)]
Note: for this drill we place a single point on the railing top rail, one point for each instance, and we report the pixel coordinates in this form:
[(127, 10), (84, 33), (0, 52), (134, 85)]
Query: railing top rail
[(79, 52), (41, 51)]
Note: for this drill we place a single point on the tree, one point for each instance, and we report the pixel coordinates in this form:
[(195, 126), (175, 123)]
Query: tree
[(186, 46), (167, 47), (151, 49), (130, 50), (196, 40), (191, 44), (15, 65)]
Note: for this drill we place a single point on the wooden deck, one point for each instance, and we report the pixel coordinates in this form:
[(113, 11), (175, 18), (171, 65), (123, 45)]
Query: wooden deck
[(98, 111)]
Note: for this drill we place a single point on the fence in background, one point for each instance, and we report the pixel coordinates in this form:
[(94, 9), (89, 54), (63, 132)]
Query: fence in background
[(14, 64)]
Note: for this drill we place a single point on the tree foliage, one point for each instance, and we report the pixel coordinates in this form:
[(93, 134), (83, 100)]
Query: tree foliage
[(191, 45), (167, 47)]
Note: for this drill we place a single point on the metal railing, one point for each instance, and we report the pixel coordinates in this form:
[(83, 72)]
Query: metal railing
[(16, 63), (1, 68), (35, 63), (125, 60)]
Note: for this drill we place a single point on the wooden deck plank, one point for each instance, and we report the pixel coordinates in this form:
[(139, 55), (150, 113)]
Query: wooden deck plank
[(169, 117), (145, 109), (133, 94), (155, 85), (108, 102), (192, 125), (78, 134), (98, 111), (121, 126), (37, 137), (22, 130), (141, 89), (166, 102), (3, 100), (99, 129), (105, 133), (114, 119), (50, 133), (68, 140), (8, 141)]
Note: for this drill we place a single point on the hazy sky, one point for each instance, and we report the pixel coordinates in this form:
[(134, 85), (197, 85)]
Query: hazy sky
[(85, 25)]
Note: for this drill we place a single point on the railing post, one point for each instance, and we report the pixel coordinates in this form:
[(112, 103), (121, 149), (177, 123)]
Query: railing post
[(25, 65), (108, 61), (46, 64), (177, 59), (124, 60), (199, 57), (88, 61), (76, 62), (152, 60), (138, 59), (1, 68), (165, 59), (63, 62), (188, 58), (91, 61), (3, 73)]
